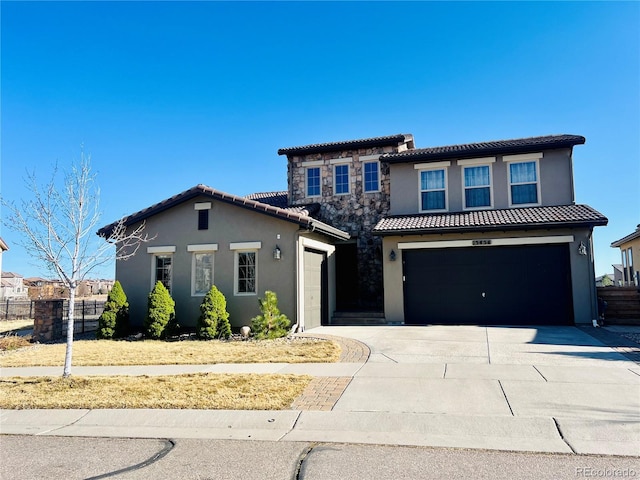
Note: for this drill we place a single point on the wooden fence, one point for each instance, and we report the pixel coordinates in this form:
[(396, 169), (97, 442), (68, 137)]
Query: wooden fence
[(623, 304)]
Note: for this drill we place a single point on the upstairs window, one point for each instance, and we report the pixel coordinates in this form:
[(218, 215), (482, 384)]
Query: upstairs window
[(371, 173), (203, 219), (341, 179), (477, 186), (523, 182), (433, 190), (313, 181), (203, 214)]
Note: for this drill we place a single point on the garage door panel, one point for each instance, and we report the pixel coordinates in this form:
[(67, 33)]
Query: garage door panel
[(314, 288), (488, 285)]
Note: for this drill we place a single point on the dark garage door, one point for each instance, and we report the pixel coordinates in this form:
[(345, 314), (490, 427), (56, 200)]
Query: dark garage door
[(515, 285)]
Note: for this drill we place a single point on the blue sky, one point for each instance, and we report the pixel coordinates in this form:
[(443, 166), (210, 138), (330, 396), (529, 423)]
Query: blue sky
[(167, 95)]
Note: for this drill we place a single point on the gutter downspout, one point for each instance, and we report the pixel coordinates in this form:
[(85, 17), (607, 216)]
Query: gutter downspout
[(299, 285), (592, 279)]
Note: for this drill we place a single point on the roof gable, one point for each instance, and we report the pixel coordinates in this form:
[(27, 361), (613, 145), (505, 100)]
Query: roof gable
[(300, 216)]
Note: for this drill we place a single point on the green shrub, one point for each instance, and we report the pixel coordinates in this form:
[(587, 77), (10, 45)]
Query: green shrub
[(272, 323), (213, 321), (114, 321), (160, 311)]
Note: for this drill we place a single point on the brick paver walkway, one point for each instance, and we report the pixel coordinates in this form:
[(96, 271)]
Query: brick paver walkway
[(323, 392)]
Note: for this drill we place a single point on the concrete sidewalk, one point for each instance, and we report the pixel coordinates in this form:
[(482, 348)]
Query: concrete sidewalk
[(547, 389)]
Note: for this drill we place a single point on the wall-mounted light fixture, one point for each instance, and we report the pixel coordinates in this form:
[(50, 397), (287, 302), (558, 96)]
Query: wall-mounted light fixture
[(582, 249), (392, 255), (277, 253)]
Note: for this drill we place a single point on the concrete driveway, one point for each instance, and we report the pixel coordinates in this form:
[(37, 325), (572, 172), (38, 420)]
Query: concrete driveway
[(542, 389), (549, 389)]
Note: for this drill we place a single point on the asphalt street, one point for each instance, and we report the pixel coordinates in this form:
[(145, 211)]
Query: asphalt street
[(70, 458)]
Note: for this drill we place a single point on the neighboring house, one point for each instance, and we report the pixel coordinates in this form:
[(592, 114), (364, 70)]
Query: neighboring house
[(617, 274), (484, 233), (42, 288), (630, 251), (605, 280), (12, 287)]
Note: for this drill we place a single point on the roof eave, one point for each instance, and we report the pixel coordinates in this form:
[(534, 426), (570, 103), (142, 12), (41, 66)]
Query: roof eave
[(626, 239), (321, 227), (253, 205), (416, 156), (346, 145), (492, 228)]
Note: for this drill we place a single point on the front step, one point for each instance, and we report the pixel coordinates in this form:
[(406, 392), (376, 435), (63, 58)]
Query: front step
[(358, 318)]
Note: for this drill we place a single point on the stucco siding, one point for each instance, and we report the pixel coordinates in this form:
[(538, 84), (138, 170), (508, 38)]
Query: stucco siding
[(581, 267), (555, 183), (228, 224)]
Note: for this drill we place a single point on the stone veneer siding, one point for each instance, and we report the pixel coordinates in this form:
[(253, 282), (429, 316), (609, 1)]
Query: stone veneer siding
[(47, 320), (356, 212)]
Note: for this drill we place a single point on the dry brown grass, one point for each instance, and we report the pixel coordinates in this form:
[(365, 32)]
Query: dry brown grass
[(14, 342), (152, 352), (193, 391), (13, 325)]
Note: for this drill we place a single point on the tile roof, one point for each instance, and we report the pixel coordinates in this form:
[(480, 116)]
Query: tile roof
[(275, 199), (482, 220), (301, 217), (628, 238), (281, 200), (496, 147), (347, 145)]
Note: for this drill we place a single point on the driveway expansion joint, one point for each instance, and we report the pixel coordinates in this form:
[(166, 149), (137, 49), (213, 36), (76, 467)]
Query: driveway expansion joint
[(555, 421)]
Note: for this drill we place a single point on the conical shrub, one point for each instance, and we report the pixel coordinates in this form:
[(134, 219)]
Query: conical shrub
[(272, 323), (114, 320), (213, 321), (160, 311)]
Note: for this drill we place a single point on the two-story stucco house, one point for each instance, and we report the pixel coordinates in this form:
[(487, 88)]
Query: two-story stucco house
[(488, 233), (484, 233)]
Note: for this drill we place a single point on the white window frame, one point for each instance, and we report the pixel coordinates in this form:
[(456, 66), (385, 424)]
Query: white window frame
[(523, 158), (161, 251), (243, 247), (199, 250), (423, 167), (335, 178), (477, 162), (364, 180), (306, 180), (236, 276)]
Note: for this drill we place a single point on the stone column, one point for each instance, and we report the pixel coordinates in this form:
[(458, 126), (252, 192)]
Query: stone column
[(47, 322)]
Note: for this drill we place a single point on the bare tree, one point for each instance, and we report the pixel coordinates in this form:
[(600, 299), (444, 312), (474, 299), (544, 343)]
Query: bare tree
[(57, 225)]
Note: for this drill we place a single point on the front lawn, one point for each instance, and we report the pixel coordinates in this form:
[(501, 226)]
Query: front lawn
[(15, 325), (192, 391), (188, 352)]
